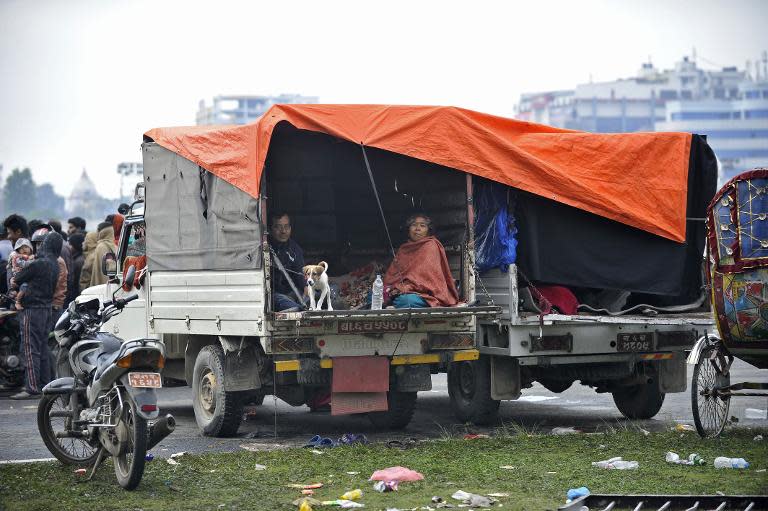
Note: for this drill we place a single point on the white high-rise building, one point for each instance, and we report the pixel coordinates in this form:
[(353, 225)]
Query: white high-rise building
[(243, 109)]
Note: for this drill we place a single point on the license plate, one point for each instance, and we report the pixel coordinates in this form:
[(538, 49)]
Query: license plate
[(145, 380), (635, 342), (373, 326)]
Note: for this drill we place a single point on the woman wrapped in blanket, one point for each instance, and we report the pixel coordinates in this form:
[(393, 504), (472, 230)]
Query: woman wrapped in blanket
[(419, 276)]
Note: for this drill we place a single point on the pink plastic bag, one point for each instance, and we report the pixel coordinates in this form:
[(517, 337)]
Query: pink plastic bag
[(400, 474)]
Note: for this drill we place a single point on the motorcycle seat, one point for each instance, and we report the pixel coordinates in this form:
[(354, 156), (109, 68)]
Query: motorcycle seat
[(108, 353)]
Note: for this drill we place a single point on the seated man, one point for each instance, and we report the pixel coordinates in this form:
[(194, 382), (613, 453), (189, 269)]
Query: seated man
[(419, 276), (290, 254)]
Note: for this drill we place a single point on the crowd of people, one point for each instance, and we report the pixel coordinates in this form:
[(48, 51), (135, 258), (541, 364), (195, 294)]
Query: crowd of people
[(45, 269)]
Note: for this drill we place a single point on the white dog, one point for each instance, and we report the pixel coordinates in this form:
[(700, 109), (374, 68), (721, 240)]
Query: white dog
[(317, 280)]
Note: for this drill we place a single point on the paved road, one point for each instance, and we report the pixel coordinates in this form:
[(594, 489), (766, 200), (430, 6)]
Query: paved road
[(538, 409)]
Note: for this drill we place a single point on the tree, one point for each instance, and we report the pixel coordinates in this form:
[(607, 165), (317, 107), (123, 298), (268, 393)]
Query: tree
[(20, 192), (50, 204)]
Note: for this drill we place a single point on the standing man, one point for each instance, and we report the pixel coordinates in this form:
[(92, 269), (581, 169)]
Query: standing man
[(290, 254), (40, 276), (16, 225)]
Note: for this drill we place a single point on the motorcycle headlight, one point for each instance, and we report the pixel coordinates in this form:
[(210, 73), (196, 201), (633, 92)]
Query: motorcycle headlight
[(62, 325)]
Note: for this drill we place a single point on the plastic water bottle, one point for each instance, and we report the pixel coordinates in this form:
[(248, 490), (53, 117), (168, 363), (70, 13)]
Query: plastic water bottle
[(377, 296), (723, 462)]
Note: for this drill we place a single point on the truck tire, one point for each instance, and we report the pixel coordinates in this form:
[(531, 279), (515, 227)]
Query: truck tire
[(217, 412), (401, 408), (639, 401), (469, 387)]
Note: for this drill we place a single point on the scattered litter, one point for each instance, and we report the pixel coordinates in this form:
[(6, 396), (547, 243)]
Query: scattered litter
[(352, 495), (693, 459), (260, 467), (212, 471), (353, 473), (315, 451), (723, 462), (385, 486), (498, 495), (720, 493), (755, 413), (178, 454), (617, 463), (353, 438), (601, 446), (760, 471), (307, 492), (309, 500), (472, 499), (318, 441), (565, 431), (408, 443), (342, 503), (475, 436), (400, 474), (680, 428), (305, 506), (436, 499), (551, 473), (575, 493), (313, 486), (172, 461), (81, 471), (645, 432), (758, 438), (256, 434), (507, 467), (149, 456)]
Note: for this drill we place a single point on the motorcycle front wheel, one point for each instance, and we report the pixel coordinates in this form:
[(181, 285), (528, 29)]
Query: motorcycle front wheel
[(132, 430), (54, 421)]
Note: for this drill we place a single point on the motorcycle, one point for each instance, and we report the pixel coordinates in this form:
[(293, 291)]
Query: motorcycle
[(105, 406), (11, 368)]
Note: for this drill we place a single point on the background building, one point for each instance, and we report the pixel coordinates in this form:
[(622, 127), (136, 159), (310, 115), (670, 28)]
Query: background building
[(243, 109), (85, 201), (730, 106), (130, 173)]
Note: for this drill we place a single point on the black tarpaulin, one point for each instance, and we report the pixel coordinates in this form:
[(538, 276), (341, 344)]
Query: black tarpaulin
[(558, 244)]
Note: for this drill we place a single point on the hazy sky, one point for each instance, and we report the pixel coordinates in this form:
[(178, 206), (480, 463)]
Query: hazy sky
[(80, 81)]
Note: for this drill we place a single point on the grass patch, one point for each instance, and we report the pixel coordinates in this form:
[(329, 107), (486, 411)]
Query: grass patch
[(231, 481)]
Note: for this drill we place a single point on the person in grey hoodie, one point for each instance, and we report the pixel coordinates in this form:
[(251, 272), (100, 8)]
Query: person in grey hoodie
[(40, 276)]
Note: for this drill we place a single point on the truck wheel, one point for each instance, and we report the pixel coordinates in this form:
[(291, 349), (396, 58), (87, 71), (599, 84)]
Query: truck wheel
[(639, 401), (401, 408), (469, 386), (217, 412)]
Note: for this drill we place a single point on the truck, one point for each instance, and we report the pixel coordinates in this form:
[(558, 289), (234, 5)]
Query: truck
[(649, 306), (348, 175)]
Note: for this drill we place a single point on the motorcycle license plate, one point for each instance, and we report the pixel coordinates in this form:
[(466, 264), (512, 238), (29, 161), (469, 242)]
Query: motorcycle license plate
[(145, 380), (635, 342)]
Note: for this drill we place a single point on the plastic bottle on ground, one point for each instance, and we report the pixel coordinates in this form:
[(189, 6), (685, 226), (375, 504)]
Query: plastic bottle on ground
[(723, 462), (377, 295)]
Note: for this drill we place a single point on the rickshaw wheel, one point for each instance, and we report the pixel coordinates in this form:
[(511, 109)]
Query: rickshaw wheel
[(710, 408)]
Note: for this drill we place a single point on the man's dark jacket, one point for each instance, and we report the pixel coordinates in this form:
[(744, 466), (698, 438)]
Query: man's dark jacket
[(292, 257), (41, 274)]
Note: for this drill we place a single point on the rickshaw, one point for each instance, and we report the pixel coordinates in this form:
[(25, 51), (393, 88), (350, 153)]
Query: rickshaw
[(737, 272)]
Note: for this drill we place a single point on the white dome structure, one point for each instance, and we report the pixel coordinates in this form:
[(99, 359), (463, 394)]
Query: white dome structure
[(84, 196)]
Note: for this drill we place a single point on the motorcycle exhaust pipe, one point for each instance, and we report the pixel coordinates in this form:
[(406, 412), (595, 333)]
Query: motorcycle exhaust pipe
[(162, 427)]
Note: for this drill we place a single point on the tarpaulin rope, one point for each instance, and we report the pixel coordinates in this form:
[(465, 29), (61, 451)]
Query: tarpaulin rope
[(378, 201)]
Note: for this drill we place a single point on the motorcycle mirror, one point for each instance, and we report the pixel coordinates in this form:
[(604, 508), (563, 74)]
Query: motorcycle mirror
[(109, 265), (130, 275)]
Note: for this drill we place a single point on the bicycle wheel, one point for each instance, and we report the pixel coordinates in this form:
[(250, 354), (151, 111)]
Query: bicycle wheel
[(710, 407)]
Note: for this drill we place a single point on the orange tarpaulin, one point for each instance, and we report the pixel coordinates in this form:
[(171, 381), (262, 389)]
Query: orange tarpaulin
[(639, 179)]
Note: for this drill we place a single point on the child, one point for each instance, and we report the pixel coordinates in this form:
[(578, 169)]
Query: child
[(19, 258)]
